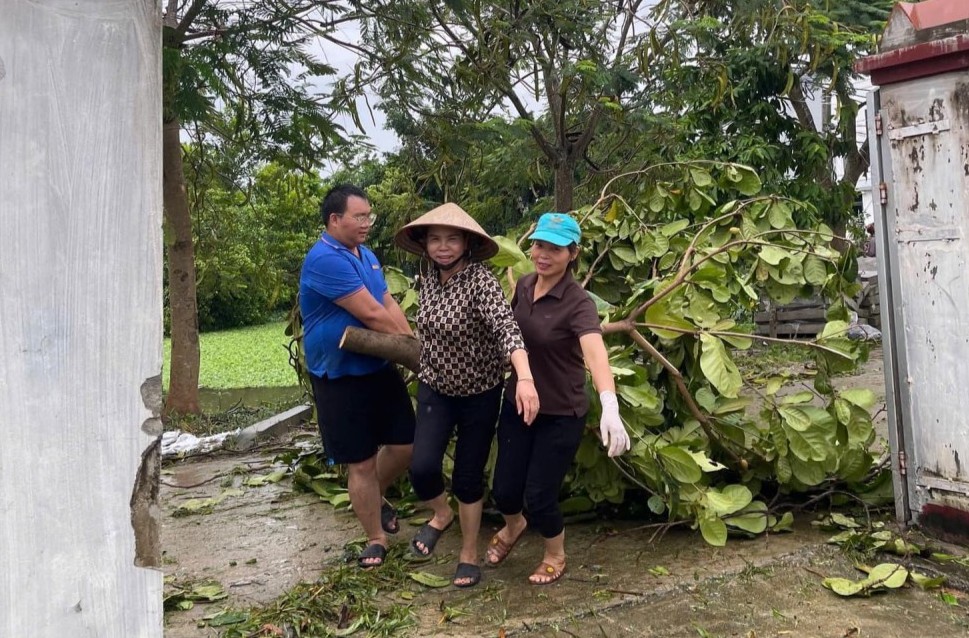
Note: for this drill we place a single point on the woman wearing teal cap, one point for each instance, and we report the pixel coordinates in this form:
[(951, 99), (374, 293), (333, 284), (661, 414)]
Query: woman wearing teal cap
[(562, 334)]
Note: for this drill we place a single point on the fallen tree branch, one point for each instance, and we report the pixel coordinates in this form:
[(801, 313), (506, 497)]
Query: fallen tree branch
[(395, 348)]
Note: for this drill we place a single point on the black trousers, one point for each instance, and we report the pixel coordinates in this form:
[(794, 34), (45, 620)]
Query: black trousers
[(532, 463), (438, 415)]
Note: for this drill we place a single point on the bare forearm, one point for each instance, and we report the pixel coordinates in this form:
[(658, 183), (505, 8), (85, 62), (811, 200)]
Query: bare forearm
[(597, 360), (519, 361), (397, 315)]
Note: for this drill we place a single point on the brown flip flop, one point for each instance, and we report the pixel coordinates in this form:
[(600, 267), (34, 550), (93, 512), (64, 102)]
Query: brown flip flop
[(500, 549), (545, 570)]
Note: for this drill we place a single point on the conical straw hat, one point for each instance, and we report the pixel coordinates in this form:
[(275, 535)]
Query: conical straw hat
[(453, 216)]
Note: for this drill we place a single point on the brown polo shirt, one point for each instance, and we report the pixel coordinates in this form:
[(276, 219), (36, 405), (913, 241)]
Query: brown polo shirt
[(551, 327)]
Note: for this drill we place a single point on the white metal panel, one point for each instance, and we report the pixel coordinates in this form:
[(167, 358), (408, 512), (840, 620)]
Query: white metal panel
[(927, 125), (80, 317), (887, 258)]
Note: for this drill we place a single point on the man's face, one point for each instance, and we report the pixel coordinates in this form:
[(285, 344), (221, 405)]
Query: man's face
[(352, 227)]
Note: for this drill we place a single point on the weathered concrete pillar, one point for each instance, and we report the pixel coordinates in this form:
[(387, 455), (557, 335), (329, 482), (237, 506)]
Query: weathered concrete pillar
[(80, 318)]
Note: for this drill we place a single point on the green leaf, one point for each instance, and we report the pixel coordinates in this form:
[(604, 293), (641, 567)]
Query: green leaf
[(740, 343), (397, 282), (861, 397), (809, 444), (773, 385), (949, 599), (706, 463), (888, 575), (656, 504), (749, 183), (783, 469), (814, 271), (718, 368), (843, 521), (641, 396), (626, 254), (660, 314), (208, 593), (714, 531), (926, 582), (706, 399), (779, 215), (772, 255), (700, 177), (679, 464), (842, 410), (784, 524), (798, 397), (429, 580), (808, 472), (854, 464), (651, 245), (726, 406), (603, 307), (859, 431), (263, 479), (833, 329), (794, 418), (733, 498), (226, 617), (752, 519), (675, 228), (843, 586), (509, 254)]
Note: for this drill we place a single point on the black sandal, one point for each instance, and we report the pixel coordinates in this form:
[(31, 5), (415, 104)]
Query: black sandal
[(428, 535), (374, 550), (388, 518), (468, 571)]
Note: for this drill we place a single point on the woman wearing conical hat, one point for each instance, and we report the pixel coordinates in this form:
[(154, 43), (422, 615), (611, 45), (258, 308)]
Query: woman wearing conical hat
[(467, 333)]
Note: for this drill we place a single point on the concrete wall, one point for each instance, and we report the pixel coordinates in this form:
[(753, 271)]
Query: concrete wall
[(80, 318)]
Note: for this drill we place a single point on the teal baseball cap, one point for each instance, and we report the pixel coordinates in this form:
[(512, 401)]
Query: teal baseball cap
[(557, 228)]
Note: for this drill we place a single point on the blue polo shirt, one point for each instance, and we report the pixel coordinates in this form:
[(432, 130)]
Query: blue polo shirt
[(330, 273)]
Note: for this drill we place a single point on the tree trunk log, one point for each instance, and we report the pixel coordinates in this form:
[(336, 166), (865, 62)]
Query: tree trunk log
[(396, 348), (183, 384), (564, 186)]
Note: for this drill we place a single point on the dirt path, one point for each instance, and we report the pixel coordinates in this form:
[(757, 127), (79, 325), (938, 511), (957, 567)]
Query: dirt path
[(260, 541)]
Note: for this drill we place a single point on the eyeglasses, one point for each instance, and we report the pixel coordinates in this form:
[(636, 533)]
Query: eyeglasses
[(364, 219)]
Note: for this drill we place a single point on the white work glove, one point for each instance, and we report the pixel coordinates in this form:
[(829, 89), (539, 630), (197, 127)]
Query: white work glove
[(611, 430)]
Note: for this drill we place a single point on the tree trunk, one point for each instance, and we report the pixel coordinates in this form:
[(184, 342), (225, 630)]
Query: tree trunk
[(183, 384), (396, 348), (564, 186)]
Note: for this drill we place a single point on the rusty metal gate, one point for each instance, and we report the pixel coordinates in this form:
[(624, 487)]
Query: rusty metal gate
[(919, 138)]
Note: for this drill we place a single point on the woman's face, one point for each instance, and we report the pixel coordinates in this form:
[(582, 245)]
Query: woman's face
[(550, 260), (445, 245)]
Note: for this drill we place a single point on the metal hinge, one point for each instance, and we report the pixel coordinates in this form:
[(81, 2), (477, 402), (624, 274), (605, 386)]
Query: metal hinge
[(902, 468), (878, 124), (883, 193)]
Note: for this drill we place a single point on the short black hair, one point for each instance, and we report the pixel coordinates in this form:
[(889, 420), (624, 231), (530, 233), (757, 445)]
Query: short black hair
[(335, 200)]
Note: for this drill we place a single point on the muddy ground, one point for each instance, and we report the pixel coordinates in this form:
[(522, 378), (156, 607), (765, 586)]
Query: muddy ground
[(259, 542)]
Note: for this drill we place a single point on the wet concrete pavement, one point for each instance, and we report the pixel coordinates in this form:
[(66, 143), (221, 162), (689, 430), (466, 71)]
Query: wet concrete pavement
[(262, 541)]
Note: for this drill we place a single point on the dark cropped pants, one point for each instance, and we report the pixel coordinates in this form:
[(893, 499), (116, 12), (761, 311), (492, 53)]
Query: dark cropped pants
[(438, 416), (532, 463)]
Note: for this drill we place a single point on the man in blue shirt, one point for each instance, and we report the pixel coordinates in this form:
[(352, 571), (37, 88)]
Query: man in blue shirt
[(364, 412)]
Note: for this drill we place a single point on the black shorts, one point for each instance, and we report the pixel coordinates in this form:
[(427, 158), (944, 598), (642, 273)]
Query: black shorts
[(358, 414)]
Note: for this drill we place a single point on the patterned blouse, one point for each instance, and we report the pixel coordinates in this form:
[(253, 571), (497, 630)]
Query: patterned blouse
[(467, 331)]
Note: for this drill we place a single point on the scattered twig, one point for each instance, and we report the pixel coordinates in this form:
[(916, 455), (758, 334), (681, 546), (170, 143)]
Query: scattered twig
[(194, 485)]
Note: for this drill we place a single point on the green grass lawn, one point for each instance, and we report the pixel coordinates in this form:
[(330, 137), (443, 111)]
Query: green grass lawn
[(250, 357)]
